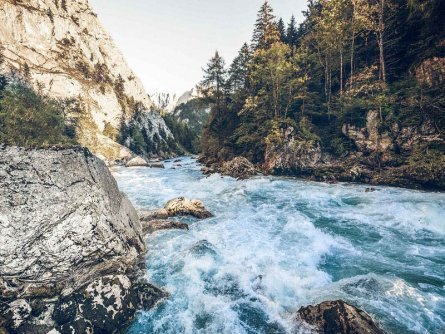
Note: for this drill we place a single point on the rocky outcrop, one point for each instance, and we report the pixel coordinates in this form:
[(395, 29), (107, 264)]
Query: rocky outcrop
[(431, 71), (182, 206), (239, 168), (63, 50), (337, 317), (378, 155), (69, 245), (288, 152)]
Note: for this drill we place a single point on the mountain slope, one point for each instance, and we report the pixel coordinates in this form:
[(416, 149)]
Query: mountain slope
[(61, 48)]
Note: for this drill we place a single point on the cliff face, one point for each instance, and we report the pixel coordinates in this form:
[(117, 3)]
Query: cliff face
[(68, 246), (63, 50)]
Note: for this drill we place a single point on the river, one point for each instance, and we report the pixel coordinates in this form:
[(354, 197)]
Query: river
[(276, 244)]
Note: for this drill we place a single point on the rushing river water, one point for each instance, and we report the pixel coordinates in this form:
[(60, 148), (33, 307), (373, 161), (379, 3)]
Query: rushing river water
[(276, 244)]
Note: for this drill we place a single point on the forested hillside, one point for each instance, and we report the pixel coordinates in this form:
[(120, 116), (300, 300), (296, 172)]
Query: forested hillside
[(355, 92)]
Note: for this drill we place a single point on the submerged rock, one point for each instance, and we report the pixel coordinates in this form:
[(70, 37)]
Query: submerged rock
[(338, 317), (182, 206), (239, 168), (69, 243), (156, 225)]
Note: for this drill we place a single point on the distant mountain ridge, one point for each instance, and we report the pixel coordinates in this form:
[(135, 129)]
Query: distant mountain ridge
[(62, 49)]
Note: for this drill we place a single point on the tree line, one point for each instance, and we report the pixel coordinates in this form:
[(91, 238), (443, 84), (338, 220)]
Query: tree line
[(346, 58)]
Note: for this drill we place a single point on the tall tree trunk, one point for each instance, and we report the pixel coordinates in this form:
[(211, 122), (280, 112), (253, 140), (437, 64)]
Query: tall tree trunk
[(341, 72), (381, 41), (351, 78)]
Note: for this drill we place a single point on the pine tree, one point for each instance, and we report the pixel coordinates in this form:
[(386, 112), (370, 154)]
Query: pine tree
[(239, 70), (214, 78), (292, 32), (266, 32), (281, 30)]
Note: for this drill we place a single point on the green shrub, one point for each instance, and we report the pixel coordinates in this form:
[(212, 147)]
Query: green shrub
[(30, 120)]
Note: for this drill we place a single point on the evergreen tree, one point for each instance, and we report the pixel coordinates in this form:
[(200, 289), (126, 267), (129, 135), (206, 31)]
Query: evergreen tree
[(266, 32), (239, 70), (214, 78), (281, 30), (292, 32)]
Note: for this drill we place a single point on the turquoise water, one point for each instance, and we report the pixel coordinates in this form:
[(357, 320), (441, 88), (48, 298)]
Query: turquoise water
[(276, 244)]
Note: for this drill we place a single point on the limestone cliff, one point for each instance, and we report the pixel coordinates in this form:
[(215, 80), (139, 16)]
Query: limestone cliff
[(69, 244), (63, 50)]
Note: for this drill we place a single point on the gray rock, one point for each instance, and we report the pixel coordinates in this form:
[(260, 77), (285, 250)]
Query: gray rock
[(156, 165), (66, 230), (136, 162)]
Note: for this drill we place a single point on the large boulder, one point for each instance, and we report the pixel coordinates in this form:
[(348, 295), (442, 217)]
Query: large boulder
[(182, 206), (66, 230), (337, 317)]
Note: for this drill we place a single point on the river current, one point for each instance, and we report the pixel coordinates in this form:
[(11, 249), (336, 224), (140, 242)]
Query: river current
[(276, 244)]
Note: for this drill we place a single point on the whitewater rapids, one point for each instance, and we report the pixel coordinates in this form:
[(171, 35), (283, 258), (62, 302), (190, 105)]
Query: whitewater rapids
[(276, 244)]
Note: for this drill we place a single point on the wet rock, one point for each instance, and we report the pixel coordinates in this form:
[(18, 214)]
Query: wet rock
[(136, 162), (208, 170), (177, 160), (66, 233), (182, 206), (155, 165), (338, 317), (156, 225), (146, 216), (103, 303), (239, 168)]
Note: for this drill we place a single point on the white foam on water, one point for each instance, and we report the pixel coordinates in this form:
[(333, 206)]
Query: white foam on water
[(276, 244)]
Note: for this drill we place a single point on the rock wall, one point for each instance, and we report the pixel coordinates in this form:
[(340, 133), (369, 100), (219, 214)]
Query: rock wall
[(69, 244), (379, 155), (63, 50)]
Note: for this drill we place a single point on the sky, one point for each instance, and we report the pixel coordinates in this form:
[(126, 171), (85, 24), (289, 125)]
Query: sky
[(168, 42)]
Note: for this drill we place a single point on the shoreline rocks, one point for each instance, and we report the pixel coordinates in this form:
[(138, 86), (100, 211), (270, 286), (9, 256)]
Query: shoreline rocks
[(69, 246), (337, 317), (349, 170)]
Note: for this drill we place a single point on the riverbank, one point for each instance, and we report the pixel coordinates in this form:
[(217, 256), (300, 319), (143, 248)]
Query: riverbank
[(335, 170)]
